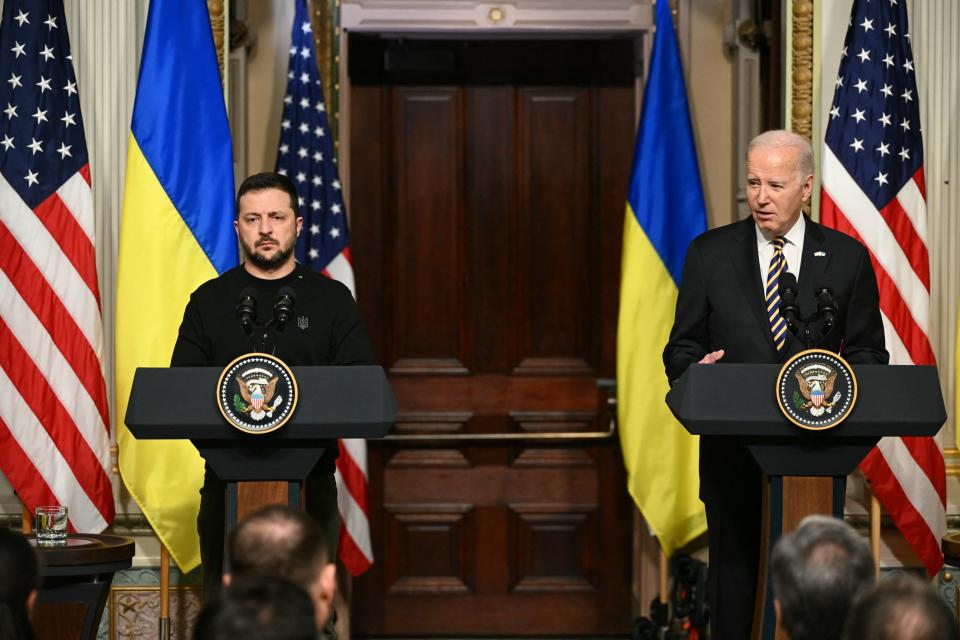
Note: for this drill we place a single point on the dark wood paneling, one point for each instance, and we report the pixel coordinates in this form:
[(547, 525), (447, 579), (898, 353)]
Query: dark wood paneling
[(429, 549), (553, 216), (429, 301), (369, 223), (491, 202), (553, 548)]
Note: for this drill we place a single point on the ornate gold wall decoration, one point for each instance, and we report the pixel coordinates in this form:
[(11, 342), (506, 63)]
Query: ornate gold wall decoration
[(218, 24), (325, 20), (802, 75)]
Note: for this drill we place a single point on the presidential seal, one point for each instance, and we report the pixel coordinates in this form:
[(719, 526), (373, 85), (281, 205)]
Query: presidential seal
[(816, 389), (257, 393)]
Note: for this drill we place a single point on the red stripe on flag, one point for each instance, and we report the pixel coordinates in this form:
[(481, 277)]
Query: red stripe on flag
[(907, 518), (929, 458), (73, 241), (351, 555), (66, 334), (57, 421), (913, 248), (18, 468), (892, 304), (918, 178), (353, 479), (85, 173)]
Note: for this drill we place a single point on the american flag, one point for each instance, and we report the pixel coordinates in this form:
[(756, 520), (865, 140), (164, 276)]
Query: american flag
[(54, 423), (306, 156), (873, 190)]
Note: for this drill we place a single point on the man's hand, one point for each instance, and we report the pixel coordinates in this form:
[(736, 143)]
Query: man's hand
[(711, 357)]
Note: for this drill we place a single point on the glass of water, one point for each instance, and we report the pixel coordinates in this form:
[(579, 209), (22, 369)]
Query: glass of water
[(51, 526)]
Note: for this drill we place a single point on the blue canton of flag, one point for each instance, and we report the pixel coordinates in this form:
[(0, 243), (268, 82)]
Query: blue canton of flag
[(42, 132), (306, 157), (874, 127)]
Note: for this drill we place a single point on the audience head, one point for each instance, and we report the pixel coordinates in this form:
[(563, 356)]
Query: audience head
[(285, 543), (258, 608), (818, 571), (901, 608), (19, 580)]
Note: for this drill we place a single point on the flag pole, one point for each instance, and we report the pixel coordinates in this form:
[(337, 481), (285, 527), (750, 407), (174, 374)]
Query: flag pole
[(164, 627), (664, 576), (27, 520), (875, 534)]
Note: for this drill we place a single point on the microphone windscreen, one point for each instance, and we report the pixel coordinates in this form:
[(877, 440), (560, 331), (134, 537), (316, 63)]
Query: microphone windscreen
[(788, 281), (288, 292)]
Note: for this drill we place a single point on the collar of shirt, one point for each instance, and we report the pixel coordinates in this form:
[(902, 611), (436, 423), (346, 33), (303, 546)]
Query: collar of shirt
[(792, 248)]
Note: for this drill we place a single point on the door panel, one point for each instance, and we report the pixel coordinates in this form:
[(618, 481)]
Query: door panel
[(488, 190)]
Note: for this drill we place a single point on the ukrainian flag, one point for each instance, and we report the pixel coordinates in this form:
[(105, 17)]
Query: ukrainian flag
[(176, 232), (665, 211)]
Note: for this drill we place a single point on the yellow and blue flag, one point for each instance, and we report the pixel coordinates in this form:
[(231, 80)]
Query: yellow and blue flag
[(176, 232), (665, 211)]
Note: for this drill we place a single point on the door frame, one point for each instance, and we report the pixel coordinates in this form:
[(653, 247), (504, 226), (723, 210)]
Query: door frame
[(554, 19)]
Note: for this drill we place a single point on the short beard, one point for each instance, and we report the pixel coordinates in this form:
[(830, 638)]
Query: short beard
[(267, 264)]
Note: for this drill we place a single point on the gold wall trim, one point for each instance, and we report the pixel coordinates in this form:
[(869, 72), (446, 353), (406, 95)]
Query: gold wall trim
[(802, 69), (218, 24)]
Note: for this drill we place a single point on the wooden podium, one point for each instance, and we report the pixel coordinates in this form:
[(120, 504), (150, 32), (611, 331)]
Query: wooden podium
[(806, 470), (335, 402)]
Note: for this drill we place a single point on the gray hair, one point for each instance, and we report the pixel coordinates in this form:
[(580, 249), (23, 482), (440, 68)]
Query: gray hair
[(818, 571), (901, 608), (780, 139)]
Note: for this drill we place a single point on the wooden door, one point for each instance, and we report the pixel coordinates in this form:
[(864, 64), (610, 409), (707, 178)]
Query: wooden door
[(488, 189)]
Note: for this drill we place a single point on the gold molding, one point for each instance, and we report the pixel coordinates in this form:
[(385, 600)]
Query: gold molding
[(802, 72), (322, 21), (218, 24)]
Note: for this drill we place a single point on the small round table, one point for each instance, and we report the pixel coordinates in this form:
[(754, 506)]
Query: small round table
[(950, 545), (76, 583)]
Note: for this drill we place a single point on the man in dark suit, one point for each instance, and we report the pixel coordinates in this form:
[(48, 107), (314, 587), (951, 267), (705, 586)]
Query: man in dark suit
[(728, 310)]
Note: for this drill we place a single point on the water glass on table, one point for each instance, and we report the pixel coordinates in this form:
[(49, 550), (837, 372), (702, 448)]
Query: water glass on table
[(51, 526)]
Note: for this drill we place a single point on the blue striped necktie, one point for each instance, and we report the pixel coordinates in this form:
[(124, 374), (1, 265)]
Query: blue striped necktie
[(777, 264)]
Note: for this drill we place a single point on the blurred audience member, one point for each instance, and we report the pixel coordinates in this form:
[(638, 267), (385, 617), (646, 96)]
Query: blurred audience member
[(901, 608), (19, 581), (818, 571), (258, 608), (285, 543)]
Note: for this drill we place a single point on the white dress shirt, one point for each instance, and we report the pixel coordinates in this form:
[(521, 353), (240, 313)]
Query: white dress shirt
[(792, 249)]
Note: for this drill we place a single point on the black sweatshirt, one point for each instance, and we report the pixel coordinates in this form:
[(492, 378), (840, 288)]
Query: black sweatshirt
[(325, 328)]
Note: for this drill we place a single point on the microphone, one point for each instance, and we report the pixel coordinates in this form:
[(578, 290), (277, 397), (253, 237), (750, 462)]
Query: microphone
[(247, 309), (283, 307), (788, 302), (826, 308)]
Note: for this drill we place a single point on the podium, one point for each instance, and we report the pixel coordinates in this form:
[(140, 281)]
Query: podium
[(806, 469), (334, 402)]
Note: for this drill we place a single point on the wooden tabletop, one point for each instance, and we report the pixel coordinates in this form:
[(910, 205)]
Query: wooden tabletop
[(86, 549)]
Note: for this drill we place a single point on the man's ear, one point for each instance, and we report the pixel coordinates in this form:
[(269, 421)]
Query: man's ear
[(226, 579), (328, 582), (31, 600)]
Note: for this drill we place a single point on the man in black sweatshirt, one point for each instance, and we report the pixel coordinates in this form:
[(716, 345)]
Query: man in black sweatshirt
[(326, 331)]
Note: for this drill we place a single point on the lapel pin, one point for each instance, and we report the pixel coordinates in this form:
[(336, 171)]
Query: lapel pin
[(820, 254)]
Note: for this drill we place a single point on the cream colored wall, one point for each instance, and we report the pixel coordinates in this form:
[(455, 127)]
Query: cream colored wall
[(269, 22), (710, 91)]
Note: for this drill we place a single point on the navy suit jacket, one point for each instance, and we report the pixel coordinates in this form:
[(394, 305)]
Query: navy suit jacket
[(721, 306)]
